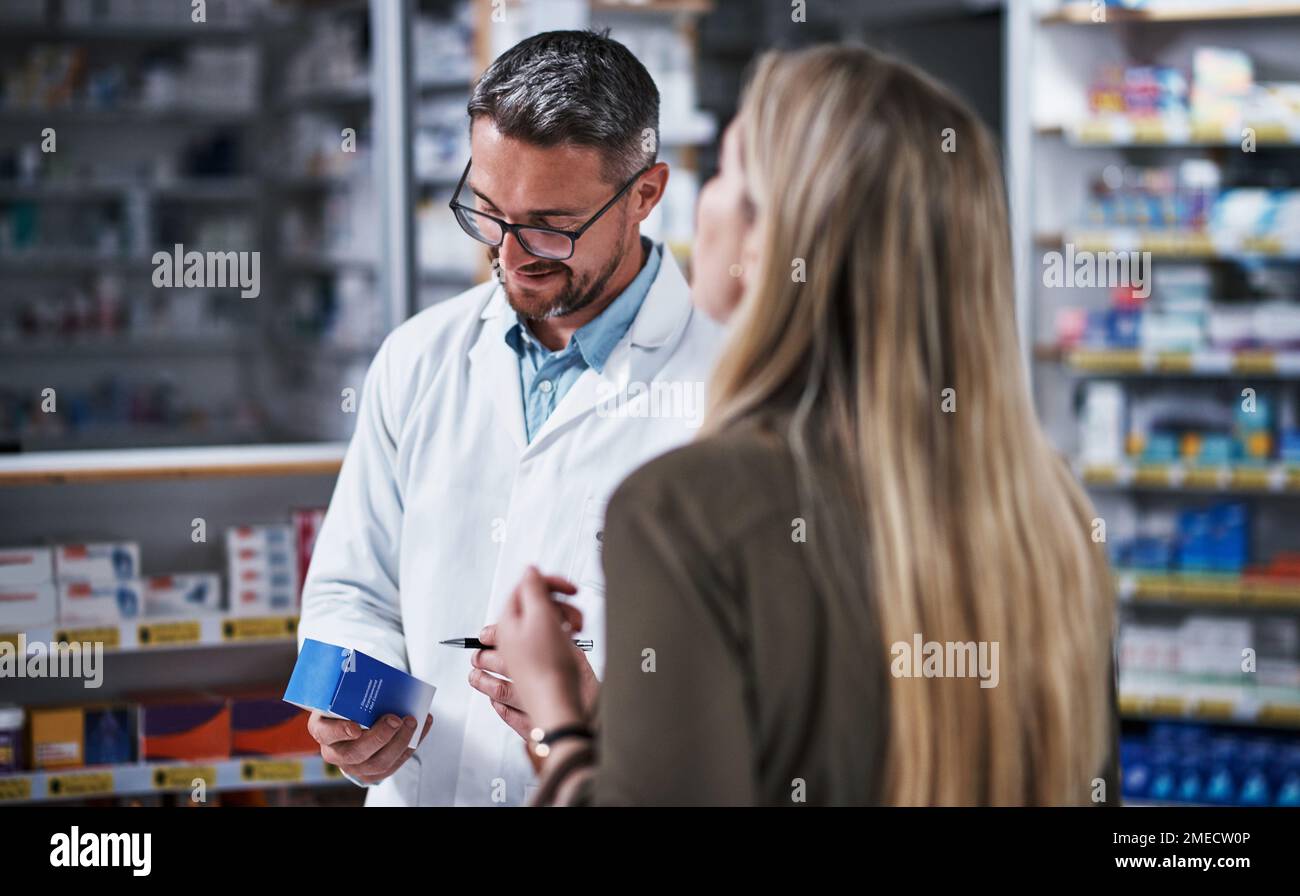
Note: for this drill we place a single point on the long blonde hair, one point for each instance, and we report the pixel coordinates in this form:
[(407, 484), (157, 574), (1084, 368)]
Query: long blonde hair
[(969, 526)]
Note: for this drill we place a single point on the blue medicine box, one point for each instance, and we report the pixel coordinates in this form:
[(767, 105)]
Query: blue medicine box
[(347, 684)]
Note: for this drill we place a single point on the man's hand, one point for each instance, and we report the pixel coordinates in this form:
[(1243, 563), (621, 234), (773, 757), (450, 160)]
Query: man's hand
[(371, 755), (503, 693)]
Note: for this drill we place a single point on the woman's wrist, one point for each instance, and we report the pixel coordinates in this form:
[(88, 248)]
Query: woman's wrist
[(559, 705)]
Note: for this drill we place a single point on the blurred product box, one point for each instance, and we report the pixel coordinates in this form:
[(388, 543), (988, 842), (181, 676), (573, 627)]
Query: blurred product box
[(263, 573), (57, 737), (101, 562), (25, 606), (12, 719), (100, 603), (261, 724), (306, 526), (184, 726), (26, 566), (182, 594), (109, 738), (76, 736)]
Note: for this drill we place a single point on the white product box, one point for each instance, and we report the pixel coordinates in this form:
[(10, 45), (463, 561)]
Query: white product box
[(26, 566), (105, 561), (182, 594), (263, 569), (96, 603), (26, 606)]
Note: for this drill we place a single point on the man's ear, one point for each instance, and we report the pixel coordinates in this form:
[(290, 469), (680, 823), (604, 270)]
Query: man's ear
[(649, 190)]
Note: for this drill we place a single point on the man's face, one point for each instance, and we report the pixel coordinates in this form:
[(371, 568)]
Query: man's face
[(559, 187)]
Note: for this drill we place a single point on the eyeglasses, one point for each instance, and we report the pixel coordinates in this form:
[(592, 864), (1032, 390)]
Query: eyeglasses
[(543, 242)]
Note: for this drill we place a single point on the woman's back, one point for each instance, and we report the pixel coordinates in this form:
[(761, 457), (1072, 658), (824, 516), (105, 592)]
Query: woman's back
[(758, 690)]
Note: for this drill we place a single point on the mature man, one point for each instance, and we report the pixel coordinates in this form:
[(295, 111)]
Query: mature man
[(493, 427)]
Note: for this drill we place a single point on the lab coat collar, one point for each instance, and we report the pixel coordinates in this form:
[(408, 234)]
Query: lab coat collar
[(662, 318), (655, 322)]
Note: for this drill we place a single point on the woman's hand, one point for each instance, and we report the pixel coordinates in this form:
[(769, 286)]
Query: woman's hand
[(534, 638)]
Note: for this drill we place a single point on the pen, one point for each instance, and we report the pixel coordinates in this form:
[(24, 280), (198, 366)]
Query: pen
[(476, 644)]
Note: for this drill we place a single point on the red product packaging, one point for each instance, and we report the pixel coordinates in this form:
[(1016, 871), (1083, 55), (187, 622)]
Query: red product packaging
[(306, 525)]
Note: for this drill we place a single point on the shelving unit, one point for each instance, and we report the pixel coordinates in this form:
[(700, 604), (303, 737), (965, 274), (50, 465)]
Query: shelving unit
[(135, 779), (1056, 142)]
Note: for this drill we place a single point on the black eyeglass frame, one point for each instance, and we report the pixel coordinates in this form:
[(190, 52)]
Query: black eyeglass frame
[(507, 227)]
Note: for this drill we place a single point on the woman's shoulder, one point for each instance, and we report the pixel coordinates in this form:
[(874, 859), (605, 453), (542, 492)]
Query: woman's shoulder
[(716, 485)]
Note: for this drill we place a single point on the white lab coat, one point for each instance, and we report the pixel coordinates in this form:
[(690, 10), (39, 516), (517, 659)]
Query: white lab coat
[(441, 504)]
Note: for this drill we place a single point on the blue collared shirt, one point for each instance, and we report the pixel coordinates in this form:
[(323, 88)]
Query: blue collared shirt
[(545, 376)]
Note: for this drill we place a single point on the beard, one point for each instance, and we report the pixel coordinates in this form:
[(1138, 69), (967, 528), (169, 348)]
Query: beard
[(576, 293)]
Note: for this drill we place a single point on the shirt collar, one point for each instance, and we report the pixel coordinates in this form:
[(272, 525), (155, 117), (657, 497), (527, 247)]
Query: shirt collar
[(596, 339)]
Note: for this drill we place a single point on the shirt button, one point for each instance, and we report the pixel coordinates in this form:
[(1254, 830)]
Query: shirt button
[(546, 386)]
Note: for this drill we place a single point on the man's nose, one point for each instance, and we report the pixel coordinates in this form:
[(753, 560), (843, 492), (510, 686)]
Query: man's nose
[(513, 255)]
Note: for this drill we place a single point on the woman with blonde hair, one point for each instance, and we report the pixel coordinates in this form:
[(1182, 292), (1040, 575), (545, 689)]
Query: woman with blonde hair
[(870, 580)]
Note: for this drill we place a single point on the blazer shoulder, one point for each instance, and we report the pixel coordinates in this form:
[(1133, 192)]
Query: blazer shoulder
[(719, 486)]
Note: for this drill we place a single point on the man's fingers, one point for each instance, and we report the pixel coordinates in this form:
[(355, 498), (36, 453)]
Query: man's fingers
[(519, 722), (488, 635), (368, 744), (428, 723), (390, 756), (331, 731), (489, 660), (495, 689)]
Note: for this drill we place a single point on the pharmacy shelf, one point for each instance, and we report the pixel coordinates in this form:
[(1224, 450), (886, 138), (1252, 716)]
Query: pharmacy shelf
[(138, 778), (128, 33), (143, 349), (1121, 132), (173, 633), (1207, 590), (128, 115), (1188, 244), (133, 464), (1082, 13), (1271, 478), (1206, 362), (1225, 704), (191, 190)]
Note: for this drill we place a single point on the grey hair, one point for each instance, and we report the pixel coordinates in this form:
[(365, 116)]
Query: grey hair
[(580, 88)]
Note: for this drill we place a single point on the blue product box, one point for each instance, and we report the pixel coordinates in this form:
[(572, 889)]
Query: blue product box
[(347, 684)]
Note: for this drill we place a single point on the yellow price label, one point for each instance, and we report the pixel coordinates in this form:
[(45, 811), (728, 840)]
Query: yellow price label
[(1101, 474), (1250, 479), (109, 635), (181, 631), (1202, 477), (18, 787), (1149, 132), (182, 777), (1168, 706), (1254, 362), (1130, 705), (1174, 362), (1270, 132), (1095, 132), (259, 628), (1152, 474), (271, 770), (1280, 713), (80, 784), (1214, 709)]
